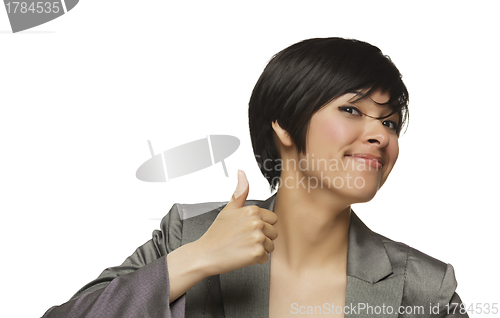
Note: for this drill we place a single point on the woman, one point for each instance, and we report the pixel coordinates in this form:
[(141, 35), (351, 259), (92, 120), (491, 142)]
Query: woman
[(324, 117)]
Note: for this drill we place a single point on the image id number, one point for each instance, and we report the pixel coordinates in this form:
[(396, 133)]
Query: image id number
[(34, 7), (476, 308)]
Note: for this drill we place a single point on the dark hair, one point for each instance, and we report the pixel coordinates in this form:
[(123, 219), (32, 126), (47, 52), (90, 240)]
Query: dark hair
[(306, 76)]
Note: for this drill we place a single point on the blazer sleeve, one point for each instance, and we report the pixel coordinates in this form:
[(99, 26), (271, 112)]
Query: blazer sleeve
[(430, 288), (137, 288), (453, 307)]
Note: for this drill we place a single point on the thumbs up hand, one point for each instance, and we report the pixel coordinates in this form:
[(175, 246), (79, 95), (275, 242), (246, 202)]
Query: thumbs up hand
[(240, 235)]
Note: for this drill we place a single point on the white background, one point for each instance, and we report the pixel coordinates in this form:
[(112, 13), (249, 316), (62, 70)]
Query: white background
[(81, 95)]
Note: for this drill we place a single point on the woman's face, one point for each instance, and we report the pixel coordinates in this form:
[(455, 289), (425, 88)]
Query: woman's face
[(349, 152)]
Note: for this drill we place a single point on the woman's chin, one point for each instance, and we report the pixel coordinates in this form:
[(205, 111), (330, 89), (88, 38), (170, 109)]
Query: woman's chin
[(358, 195), (366, 197)]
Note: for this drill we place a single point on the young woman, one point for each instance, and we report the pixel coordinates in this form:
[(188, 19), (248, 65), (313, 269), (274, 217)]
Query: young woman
[(324, 117)]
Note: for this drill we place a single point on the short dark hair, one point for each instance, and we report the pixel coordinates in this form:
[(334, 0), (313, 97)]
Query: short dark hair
[(301, 79)]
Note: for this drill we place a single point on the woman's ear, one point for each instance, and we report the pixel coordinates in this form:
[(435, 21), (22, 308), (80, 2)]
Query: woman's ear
[(282, 134)]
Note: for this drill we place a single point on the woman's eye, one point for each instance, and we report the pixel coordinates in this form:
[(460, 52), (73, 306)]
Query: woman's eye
[(390, 123), (351, 110)]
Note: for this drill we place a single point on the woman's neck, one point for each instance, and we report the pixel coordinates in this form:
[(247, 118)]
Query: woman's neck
[(312, 229)]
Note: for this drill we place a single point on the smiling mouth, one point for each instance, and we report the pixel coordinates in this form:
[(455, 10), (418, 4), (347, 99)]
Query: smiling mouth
[(371, 160)]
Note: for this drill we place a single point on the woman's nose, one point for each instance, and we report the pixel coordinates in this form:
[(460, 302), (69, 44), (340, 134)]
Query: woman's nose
[(376, 133)]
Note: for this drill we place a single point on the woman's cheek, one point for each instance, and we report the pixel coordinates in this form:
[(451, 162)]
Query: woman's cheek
[(392, 156), (339, 132), (394, 150)]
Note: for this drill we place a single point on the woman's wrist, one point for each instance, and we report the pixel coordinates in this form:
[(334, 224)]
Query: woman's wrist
[(201, 262)]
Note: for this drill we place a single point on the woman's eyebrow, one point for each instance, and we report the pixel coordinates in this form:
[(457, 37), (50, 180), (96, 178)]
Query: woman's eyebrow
[(395, 111), (387, 107)]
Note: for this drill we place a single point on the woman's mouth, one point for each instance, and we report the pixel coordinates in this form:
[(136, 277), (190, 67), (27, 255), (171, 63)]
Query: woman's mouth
[(369, 159)]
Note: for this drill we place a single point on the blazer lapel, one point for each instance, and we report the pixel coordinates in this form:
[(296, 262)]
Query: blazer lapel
[(373, 288)]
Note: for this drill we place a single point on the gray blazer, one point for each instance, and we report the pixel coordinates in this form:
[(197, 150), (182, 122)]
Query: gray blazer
[(384, 278)]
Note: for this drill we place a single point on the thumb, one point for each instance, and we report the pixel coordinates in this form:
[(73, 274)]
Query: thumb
[(240, 194)]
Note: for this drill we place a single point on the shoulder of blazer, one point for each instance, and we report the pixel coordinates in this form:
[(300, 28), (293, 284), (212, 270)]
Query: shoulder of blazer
[(425, 276)]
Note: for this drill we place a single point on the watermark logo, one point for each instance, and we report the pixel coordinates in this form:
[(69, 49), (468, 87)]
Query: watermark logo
[(347, 173), (188, 158), (27, 14)]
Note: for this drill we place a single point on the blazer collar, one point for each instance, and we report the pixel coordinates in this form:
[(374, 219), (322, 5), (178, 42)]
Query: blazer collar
[(364, 250), (246, 291)]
